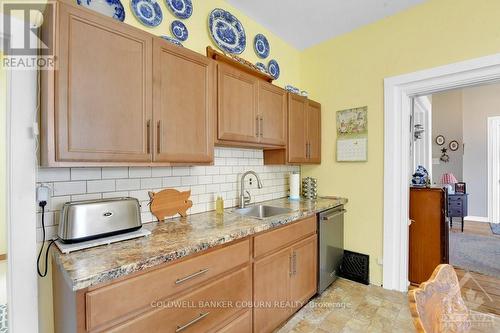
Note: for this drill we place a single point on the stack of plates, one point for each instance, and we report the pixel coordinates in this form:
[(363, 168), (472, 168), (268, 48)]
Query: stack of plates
[(309, 188)]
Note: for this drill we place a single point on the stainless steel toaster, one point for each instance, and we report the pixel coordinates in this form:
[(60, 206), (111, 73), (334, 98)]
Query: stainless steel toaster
[(90, 219)]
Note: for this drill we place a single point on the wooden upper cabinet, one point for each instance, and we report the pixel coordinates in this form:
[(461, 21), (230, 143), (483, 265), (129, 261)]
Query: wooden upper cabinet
[(184, 97), (314, 131), (237, 105), (272, 113), (101, 107), (297, 129)]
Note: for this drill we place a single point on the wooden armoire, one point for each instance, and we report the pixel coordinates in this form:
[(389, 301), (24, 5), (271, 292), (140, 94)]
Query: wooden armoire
[(428, 233)]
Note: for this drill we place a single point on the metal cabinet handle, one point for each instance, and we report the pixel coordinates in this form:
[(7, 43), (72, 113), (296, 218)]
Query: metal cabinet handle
[(194, 321), (329, 217), (189, 277), (257, 129), (294, 263), (261, 126), (158, 136), (148, 136), (290, 264)]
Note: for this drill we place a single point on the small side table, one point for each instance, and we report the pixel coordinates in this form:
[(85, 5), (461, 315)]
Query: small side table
[(457, 207)]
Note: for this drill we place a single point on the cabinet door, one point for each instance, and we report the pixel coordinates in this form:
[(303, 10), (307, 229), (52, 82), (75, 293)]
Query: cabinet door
[(271, 286), (237, 105), (297, 133), (314, 131), (103, 88), (184, 88), (304, 270), (272, 112)]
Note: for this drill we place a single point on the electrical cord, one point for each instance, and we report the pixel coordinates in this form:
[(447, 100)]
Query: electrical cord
[(42, 204)]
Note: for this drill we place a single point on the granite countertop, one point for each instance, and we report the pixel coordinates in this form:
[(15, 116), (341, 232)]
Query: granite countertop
[(176, 238)]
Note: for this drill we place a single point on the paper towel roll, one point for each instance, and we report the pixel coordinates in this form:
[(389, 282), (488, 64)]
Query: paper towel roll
[(294, 186)]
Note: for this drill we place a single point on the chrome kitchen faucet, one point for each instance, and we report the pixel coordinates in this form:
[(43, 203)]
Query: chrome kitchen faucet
[(246, 199)]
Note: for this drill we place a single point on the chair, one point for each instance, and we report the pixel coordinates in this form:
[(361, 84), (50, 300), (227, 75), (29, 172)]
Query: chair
[(437, 305)]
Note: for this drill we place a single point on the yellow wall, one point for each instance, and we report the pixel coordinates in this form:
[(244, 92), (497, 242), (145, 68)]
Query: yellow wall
[(348, 71)]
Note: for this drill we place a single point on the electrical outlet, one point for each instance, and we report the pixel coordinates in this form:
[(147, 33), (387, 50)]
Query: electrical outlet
[(42, 194), (380, 261)]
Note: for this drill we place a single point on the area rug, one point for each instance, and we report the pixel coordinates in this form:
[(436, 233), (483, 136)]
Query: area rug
[(3, 318), (495, 228), (475, 253)]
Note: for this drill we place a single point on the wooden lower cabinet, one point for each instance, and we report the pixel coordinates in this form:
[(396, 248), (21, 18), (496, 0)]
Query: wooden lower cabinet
[(271, 291), (199, 311), (212, 291)]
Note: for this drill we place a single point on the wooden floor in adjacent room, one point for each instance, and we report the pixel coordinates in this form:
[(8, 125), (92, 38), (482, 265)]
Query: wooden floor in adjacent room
[(473, 228)]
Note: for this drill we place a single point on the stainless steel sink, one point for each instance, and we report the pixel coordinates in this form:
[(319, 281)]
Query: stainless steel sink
[(262, 211)]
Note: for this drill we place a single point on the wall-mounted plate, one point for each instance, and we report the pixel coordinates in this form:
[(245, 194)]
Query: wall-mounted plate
[(171, 40), (261, 46), (110, 8), (148, 12), (182, 9), (274, 69), (179, 30), (261, 67), (227, 31)]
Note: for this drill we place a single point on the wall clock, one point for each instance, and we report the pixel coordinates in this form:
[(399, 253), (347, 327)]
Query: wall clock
[(454, 145), (440, 140)]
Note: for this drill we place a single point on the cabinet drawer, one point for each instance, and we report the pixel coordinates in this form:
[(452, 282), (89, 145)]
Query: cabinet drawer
[(276, 239), (241, 324), (112, 303), (193, 313)]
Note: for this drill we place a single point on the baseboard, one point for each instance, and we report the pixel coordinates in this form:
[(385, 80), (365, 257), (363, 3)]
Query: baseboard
[(477, 219)]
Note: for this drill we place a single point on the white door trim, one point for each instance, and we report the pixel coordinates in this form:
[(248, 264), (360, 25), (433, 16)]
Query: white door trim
[(22, 282), (493, 169), (398, 92)]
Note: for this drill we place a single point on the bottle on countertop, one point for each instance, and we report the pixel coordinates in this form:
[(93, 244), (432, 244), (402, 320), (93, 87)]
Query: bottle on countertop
[(219, 205)]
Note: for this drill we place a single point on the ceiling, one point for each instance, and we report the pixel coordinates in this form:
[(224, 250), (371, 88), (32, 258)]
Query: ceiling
[(304, 23)]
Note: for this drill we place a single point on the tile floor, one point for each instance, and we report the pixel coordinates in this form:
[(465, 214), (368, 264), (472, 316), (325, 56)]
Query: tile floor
[(349, 307)]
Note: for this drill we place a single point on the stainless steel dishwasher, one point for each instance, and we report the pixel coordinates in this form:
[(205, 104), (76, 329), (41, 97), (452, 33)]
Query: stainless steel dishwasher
[(330, 245)]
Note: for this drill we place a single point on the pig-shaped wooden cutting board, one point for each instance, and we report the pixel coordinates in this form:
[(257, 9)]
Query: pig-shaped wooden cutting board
[(169, 202)]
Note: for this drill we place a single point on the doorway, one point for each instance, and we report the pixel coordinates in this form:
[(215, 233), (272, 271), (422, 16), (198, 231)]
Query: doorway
[(398, 94)]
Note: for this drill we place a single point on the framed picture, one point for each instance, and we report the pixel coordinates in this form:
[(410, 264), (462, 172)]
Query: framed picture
[(460, 188)]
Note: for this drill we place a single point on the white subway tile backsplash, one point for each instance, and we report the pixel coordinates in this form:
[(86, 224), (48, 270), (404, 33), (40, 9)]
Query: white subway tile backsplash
[(151, 183), (139, 172), (181, 171), (189, 180), (85, 173), (205, 182), (171, 182), (115, 173), (53, 175), (161, 171), (128, 184), (67, 188), (107, 185)]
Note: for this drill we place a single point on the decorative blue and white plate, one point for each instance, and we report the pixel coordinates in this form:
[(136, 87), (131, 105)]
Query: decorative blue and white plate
[(171, 40), (110, 8), (180, 8), (148, 12), (261, 67), (274, 69), (179, 30), (261, 46), (227, 31)]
